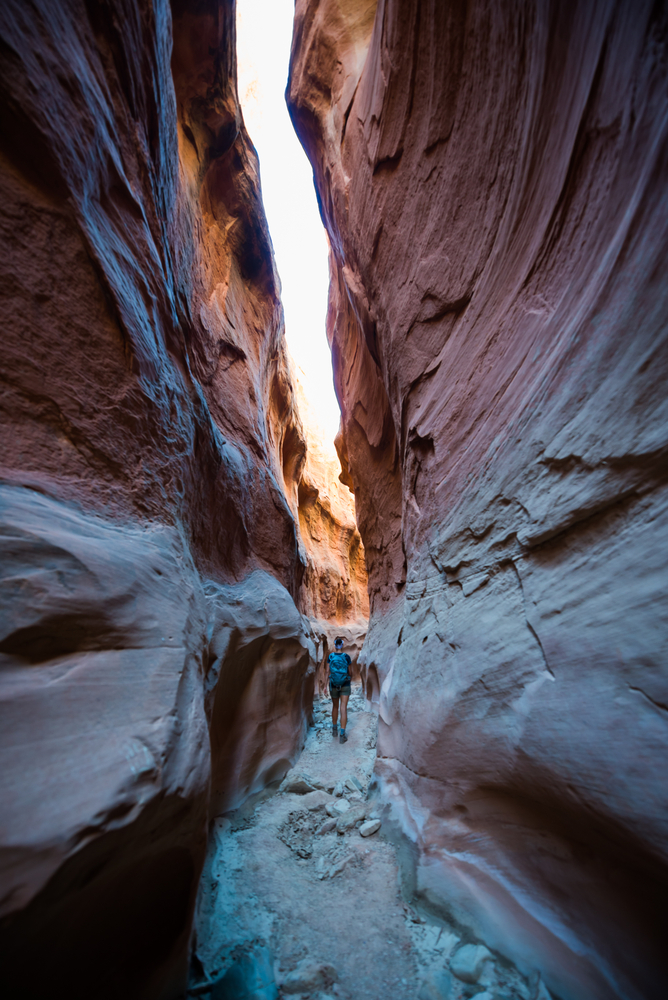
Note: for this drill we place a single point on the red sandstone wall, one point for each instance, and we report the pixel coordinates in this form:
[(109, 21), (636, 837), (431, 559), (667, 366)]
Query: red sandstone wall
[(493, 179), (154, 666)]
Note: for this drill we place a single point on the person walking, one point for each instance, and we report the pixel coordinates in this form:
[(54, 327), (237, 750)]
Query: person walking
[(338, 675)]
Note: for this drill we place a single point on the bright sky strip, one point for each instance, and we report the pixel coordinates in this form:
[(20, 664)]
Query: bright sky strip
[(264, 34)]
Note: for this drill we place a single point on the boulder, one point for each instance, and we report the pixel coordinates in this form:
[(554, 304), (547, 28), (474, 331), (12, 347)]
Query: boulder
[(316, 800), (370, 827), (298, 784)]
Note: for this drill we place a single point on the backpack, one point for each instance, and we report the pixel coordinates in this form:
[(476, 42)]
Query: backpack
[(338, 669)]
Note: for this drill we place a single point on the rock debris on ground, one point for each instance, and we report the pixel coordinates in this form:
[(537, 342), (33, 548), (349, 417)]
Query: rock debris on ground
[(303, 883)]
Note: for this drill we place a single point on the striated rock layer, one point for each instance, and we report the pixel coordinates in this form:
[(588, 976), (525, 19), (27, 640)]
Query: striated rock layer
[(492, 179), (155, 666)]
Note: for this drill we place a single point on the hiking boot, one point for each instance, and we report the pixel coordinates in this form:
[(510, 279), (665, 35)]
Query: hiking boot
[(343, 738), (335, 730)]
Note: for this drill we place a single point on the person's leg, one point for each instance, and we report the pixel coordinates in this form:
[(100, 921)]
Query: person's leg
[(335, 708), (344, 710)]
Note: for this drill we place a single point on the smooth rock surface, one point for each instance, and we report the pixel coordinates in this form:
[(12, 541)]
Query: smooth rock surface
[(492, 179)]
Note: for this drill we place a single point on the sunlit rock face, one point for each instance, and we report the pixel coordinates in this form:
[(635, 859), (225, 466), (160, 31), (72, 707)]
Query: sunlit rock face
[(155, 667), (493, 183), (333, 591)]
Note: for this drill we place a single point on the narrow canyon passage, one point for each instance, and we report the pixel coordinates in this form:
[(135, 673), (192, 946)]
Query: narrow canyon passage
[(180, 546), (302, 896)]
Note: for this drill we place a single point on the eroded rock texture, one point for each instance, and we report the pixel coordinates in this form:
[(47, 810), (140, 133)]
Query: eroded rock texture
[(493, 178), (155, 667)]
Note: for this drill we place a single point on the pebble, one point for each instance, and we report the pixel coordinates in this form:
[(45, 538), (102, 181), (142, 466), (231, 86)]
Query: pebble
[(467, 963), (309, 976), (370, 827)]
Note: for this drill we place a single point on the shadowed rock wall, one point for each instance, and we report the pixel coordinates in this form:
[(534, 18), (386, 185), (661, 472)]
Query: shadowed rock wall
[(492, 178), (154, 667)]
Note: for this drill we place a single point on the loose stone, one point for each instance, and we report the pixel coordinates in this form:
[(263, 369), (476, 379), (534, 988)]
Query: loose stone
[(468, 962), (298, 784), (370, 827), (316, 800), (309, 976), (337, 808), (350, 819)]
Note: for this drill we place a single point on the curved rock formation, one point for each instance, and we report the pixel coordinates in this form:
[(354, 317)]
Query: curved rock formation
[(492, 180), (155, 666)]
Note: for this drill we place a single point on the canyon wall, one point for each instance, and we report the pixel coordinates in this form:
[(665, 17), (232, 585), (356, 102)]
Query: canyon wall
[(155, 664), (334, 586), (492, 179)]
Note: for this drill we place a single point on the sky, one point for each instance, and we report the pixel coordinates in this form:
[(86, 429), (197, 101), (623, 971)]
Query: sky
[(264, 34)]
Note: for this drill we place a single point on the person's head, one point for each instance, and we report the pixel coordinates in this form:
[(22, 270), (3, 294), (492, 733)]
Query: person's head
[(338, 643)]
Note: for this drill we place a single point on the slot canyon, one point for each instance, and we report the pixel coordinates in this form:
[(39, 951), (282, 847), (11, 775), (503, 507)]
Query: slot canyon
[(180, 548)]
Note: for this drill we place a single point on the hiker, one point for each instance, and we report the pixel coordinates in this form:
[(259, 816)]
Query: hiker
[(338, 675)]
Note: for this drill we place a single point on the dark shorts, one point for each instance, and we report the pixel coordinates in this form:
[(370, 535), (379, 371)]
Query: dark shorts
[(337, 692)]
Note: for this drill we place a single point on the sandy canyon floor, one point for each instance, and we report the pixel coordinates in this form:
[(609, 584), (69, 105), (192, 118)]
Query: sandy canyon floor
[(325, 912)]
